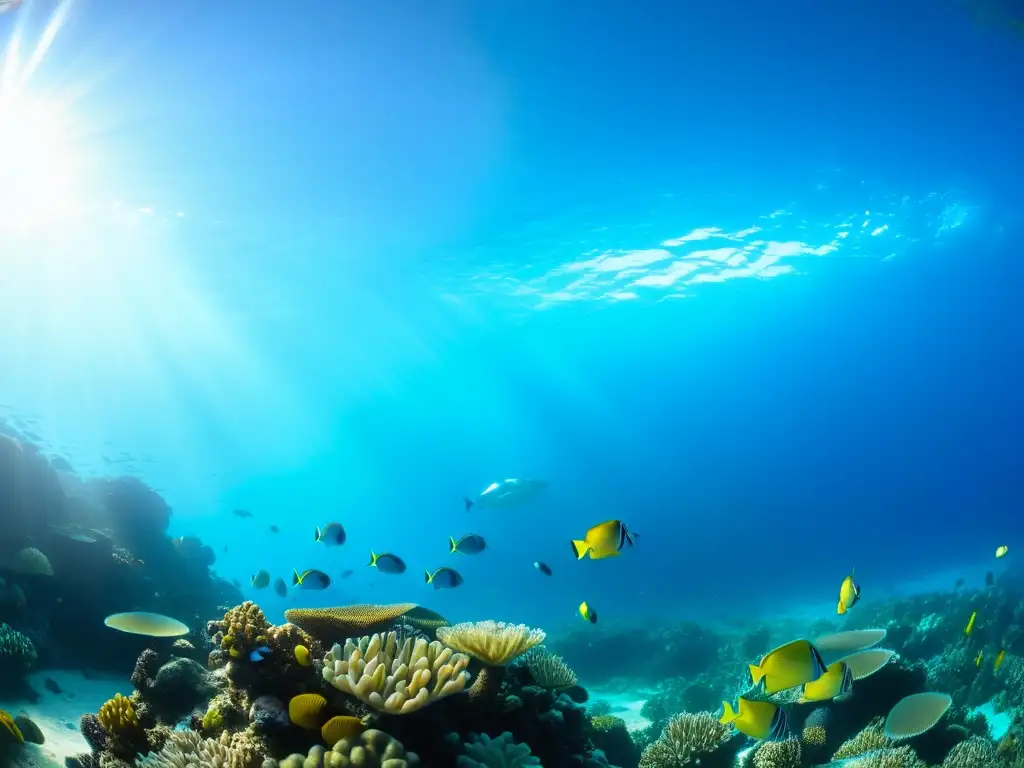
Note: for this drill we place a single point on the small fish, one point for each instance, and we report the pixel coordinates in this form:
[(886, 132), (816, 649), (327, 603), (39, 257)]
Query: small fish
[(849, 594), (346, 573), (444, 578), (470, 544), (1002, 550), (999, 659), (756, 719), (259, 654), (542, 567), (311, 579), (506, 494), (959, 583), (52, 686), (241, 513), (387, 562), (970, 624), (977, 659), (274, 529), (990, 579), (261, 579), (604, 540), (588, 613), (332, 534), (788, 666), (280, 587)]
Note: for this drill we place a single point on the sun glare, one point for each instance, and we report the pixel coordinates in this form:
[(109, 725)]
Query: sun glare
[(36, 164)]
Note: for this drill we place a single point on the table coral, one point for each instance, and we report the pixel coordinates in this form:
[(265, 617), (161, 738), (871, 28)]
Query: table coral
[(392, 678), (332, 625)]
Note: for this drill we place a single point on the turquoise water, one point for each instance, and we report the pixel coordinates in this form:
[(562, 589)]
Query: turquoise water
[(730, 275)]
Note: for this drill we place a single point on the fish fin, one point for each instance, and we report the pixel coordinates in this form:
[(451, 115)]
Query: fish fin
[(853, 571), (452, 546), (580, 548), (296, 579), (373, 558), (728, 715), (756, 673), (318, 533), (468, 502), (427, 576)]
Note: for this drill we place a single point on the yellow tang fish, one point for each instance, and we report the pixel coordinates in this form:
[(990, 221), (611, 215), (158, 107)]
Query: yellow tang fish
[(604, 540), (588, 613), (756, 719), (970, 624), (1001, 551), (977, 659), (788, 666), (999, 659), (836, 683), (849, 594)]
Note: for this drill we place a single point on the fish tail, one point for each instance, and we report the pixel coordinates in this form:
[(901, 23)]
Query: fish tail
[(468, 502), (373, 558), (579, 548), (427, 577), (840, 608), (756, 673), (452, 546), (728, 715), (296, 579), (319, 533)]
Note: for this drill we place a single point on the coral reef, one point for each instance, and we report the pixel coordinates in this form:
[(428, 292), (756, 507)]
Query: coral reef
[(494, 644)]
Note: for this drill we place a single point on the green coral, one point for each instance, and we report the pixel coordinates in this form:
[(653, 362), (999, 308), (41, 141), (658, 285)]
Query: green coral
[(17, 653), (500, 752), (213, 720)]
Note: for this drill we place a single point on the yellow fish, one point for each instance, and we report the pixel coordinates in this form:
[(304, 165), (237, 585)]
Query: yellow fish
[(588, 613), (756, 719), (788, 666), (604, 540), (977, 659), (1001, 551), (849, 594), (999, 659), (836, 683), (970, 624)]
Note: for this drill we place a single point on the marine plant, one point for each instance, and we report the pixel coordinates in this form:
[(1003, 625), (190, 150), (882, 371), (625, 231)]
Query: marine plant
[(494, 644), (392, 678)]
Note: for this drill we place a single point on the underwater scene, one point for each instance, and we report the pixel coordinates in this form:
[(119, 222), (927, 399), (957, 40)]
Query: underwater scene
[(482, 383)]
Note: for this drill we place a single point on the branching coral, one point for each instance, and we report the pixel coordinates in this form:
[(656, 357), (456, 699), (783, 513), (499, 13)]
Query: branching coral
[(898, 757), (392, 678), (975, 752), (549, 670), (17, 653), (778, 754), (187, 749), (500, 752), (870, 739), (494, 644), (688, 737), (371, 749)]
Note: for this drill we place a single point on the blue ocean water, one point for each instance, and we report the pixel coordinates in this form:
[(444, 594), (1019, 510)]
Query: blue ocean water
[(744, 277)]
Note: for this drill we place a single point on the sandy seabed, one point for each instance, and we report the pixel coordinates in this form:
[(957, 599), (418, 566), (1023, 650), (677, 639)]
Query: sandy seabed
[(57, 714)]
